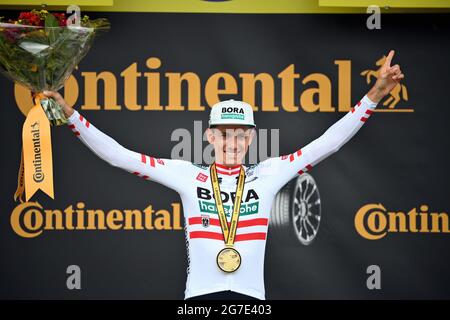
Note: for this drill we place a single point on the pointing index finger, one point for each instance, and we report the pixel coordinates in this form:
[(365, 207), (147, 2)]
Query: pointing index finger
[(389, 58)]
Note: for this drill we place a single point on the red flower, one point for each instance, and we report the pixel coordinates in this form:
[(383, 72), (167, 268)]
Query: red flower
[(61, 18), (24, 15), (30, 18), (11, 34)]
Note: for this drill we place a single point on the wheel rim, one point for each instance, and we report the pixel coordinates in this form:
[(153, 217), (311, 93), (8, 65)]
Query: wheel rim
[(306, 209)]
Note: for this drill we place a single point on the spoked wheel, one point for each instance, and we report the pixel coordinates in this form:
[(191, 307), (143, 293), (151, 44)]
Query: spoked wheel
[(296, 211)]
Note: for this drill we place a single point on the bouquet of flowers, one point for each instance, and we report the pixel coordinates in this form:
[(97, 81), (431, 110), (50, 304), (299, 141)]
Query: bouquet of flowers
[(40, 50)]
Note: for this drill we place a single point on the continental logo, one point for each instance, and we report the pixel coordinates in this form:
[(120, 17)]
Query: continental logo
[(38, 175), (374, 221), (30, 219), (289, 90)]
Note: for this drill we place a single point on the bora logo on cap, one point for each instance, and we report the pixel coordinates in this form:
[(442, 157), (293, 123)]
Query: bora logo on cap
[(232, 113)]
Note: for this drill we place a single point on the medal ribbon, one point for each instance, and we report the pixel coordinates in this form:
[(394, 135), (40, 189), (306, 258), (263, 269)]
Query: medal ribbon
[(229, 233)]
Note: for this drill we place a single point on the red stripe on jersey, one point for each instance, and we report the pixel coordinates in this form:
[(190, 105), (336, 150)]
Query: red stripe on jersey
[(300, 172), (228, 173), (143, 158), (87, 124), (359, 103), (226, 167), (241, 224), (198, 220), (309, 167), (71, 126), (206, 235), (152, 161), (77, 133), (219, 236), (299, 152), (369, 112), (81, 118), (291, 157), (364, 119), (253, 222), (251, 236), (352, 109)]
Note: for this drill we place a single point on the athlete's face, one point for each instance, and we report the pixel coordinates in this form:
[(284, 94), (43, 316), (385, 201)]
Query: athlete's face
[(230, 142)]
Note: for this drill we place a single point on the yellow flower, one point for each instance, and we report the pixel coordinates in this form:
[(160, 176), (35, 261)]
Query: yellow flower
[(41, 13)]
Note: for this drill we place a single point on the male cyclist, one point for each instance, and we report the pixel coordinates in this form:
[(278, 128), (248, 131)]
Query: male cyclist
[(227, 204)]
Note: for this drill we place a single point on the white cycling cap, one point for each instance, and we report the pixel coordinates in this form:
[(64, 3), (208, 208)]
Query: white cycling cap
[(231, 112)]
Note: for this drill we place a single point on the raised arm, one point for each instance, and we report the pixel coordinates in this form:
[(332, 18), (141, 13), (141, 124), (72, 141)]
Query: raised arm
[(282, 169), (165, 171)]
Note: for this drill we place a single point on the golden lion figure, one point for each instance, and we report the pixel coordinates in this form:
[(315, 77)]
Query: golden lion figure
[(399, 91)]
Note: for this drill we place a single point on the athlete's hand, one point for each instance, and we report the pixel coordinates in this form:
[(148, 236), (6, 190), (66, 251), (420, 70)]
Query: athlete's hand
[(388, 78), (68, 110)]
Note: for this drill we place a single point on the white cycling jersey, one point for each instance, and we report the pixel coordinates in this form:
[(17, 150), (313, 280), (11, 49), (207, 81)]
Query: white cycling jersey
[(193, 182)]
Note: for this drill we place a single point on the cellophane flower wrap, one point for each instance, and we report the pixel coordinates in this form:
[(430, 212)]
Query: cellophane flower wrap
[(40, 50)]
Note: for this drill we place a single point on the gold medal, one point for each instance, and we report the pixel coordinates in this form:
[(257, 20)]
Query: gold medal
[(229, 260)]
